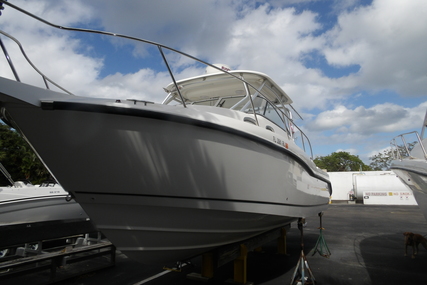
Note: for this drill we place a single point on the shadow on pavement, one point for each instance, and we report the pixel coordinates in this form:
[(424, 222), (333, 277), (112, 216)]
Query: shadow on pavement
[(384, 259)]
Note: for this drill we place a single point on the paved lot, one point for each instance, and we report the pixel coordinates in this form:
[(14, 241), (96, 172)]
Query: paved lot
[(366, 243)]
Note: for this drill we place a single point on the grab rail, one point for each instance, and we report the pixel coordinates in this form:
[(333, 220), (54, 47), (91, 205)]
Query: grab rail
[(400, 152), (9, 60), (45, 78), (160, 48)]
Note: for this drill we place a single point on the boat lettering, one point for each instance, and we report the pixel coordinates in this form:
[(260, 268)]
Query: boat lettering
[(280, 142)]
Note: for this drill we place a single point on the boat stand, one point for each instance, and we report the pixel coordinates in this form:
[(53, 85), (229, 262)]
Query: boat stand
[(302, 274), (238, 253), (321, 246)]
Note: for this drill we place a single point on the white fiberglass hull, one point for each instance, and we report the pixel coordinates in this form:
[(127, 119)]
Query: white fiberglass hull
[(165, 183), (37, 204), (32, 213), (413, 172)]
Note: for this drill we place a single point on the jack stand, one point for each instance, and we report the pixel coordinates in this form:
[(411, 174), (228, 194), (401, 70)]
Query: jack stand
[(208, 265), (240, 265), (300, 276), (281, 243), (321, 246), (207, 269)]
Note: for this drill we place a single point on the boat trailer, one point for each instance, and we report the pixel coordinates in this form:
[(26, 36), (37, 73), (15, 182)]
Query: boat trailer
[(57, 260)]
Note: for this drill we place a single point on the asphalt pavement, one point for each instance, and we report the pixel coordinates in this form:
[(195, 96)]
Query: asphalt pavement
[(365, 241)]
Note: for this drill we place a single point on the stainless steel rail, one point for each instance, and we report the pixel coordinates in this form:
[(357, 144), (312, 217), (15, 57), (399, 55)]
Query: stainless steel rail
[(45, 78), (9, 60), (400, 151)]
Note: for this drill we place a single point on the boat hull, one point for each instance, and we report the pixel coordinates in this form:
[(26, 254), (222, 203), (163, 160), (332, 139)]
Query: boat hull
[(156, 234), (32, 214), (165, 187), (38, 209), (413, 174)]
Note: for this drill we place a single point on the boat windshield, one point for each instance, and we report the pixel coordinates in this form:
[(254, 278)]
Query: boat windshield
[(247, 91)]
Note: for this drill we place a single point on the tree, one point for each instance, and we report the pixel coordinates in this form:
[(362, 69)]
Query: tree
[(19, 159), (382, 160), (341, 161)]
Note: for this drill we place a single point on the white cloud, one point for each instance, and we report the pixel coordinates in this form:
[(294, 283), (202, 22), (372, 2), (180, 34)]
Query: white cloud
[(193, 26), (385, 117), (387, 39), (362, 131), (377, 151), (272, 40), (352, 151), (142, 85), (55, 54)]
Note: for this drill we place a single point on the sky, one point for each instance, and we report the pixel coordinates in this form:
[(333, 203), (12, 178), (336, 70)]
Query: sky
[(355, 69)]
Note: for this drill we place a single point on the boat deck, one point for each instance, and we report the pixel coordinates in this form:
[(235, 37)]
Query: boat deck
[(366, 242)]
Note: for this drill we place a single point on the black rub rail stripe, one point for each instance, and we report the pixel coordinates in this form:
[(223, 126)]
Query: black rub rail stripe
[(196, 198), (93, 108)]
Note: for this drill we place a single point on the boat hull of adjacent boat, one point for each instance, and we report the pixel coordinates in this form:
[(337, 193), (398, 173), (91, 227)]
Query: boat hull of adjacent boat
[(37, 208), (164, 186), (413, 174), (412, 171), (31, 214)]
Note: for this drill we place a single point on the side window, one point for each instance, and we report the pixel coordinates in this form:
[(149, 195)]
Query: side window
[(266, 110), (258, 104), (274, 116)]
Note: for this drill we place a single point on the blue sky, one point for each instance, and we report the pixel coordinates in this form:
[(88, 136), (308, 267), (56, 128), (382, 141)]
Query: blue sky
[(356, 70)]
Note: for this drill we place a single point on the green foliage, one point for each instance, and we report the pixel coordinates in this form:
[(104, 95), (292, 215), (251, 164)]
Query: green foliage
[(19, 159), (341, 161), (382, 160)]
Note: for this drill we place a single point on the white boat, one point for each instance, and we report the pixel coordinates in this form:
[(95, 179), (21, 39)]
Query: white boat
[(32, 213), (215, 163), (25, 203), (411, 164)]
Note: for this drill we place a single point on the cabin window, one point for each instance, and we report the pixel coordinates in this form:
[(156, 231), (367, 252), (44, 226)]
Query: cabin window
[(274, 116), (258, 103)]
